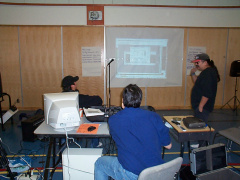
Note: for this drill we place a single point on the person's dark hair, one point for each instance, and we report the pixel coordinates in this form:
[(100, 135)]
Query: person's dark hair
[(67, 82), (132, 96), (211, 64), (67, 89)]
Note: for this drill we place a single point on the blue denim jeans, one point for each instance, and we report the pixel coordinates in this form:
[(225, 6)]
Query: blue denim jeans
[(204, 116), (95, 142), (108, 166)]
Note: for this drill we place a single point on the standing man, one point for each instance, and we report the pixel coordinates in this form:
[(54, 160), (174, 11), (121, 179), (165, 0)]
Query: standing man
[(139, 136), (205, 86)]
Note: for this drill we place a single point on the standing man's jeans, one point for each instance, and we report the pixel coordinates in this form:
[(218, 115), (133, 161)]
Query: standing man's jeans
[(108, 166), (202, 115)]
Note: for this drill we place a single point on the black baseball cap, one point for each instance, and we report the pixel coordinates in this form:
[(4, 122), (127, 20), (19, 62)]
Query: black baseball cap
[(69, 80), (201, 57)]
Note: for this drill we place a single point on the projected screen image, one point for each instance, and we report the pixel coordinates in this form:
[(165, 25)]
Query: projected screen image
[(141, 58), (148, 57)]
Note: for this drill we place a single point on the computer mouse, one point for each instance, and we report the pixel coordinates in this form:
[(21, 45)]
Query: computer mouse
[(91, 128)]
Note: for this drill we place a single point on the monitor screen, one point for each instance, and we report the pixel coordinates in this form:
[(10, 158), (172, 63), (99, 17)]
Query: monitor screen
[(61, 110)]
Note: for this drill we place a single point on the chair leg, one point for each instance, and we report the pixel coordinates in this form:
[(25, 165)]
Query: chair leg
[(163, 152), (229, 145), (177, 176)]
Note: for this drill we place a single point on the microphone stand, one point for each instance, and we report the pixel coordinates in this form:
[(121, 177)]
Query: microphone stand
[(109, 91), (109, 87)]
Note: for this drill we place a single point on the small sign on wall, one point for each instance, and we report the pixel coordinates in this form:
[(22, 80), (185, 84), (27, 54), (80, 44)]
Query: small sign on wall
[(91, 61), (95, 15)]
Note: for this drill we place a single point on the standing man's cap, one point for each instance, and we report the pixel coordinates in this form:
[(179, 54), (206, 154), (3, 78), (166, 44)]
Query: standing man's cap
[(69, 80), (201, 57)]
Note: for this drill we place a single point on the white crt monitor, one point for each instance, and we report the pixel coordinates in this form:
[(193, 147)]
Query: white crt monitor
[(61, 110)]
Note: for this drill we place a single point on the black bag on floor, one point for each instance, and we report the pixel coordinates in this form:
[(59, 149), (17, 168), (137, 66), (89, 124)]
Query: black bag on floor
[(186, 173)]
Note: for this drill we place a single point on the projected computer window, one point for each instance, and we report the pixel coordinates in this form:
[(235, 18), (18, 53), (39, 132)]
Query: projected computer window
[(141, 58), (148, 57)]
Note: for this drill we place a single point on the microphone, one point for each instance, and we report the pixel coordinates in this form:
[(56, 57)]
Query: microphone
[(110, 61)]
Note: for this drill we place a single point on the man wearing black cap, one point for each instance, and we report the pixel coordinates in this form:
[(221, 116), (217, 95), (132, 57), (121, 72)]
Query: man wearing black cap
[(69, 85), (205, 86)]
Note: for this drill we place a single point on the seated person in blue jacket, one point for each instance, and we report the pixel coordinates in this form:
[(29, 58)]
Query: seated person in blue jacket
[(139, 136), (69, 84)]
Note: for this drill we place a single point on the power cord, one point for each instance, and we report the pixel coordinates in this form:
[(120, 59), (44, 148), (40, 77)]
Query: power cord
[(15, 153), (4, 177), (68, 159), (67, 154), (29, 166)]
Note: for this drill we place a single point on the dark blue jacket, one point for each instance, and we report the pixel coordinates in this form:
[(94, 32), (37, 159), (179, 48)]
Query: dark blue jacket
[(139, 135)]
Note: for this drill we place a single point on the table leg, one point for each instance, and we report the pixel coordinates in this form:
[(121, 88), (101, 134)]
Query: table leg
[(1, 116), (182, 149), (48, 159), (163, 152), (189, 149), (54, 152), (59, 153)]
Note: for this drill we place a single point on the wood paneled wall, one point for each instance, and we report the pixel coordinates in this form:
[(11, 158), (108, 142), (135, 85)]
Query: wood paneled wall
[(9, 63), (233, 53), (40, 62), (74, 38), (215, 41), (33, 60)]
